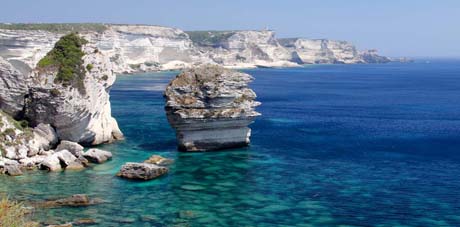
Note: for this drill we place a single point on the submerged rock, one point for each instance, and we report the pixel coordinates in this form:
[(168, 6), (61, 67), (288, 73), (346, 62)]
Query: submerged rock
[(77, 200), (61, 225), (158, 160), (210, 108), (141, 171)]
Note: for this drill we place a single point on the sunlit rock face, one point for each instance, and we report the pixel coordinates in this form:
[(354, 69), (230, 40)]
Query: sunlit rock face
[(79, 114), (13, 88), (210, 108), (135, 48), (246, 49), (323, 51)]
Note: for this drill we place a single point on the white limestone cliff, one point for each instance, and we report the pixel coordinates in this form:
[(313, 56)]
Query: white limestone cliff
[(323, 51), (13, 88), (138, 48)]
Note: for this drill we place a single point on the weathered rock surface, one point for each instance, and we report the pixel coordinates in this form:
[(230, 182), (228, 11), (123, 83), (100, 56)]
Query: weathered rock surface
[(46, 136), (13, 88), (13, 170), (97, 155), (210, 108), (74, 148), (80, 114), (323, 51), (141, 171)]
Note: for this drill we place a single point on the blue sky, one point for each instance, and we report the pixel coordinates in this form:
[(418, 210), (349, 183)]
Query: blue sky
[(395, 27)]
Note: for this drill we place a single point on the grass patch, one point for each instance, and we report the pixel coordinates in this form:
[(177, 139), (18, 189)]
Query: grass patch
[(66, 57), (14, 214), (58, 28), (209, 38)]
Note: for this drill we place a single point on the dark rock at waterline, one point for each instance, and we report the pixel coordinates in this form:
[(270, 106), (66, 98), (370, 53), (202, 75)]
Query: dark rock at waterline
[(85, 221), (141, 171), (210, 108), (61, 225), (12, 170)]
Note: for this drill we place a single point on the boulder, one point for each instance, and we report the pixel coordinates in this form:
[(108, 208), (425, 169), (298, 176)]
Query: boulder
[(73, 147), (32, 162), (68, 160), (12, 170), (97, 155), (16, 152), (51, 163), (46, 136), (158, 160), (141, 171), (210, 108)]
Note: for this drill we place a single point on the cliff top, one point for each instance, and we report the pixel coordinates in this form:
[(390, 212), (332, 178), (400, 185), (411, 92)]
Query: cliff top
[(56, 27)]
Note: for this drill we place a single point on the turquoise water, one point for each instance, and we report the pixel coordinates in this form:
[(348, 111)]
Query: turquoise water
[(350, 145)]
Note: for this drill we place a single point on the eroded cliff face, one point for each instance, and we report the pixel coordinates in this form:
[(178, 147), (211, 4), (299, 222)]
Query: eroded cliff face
[(243, 49), (322, 51), (80, 113), (137, 48), (13, 88), (210, 108)]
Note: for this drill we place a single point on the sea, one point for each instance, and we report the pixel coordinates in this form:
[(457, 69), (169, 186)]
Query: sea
[(336, 145)]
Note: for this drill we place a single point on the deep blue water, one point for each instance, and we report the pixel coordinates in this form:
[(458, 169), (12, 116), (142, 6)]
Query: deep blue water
[(350, 145)]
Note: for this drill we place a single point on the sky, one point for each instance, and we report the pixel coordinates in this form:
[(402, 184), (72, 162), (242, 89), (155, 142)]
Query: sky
[(412, 28)]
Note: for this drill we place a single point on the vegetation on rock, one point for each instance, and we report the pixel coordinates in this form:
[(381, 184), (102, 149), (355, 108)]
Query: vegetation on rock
[(66, 58), (209, 38), (71, 27), (14, 214), (89, 67)]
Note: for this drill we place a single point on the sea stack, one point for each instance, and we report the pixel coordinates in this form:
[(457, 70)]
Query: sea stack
[(210, 108)]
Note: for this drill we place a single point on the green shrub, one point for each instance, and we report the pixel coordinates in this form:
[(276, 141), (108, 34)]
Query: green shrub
[(89, 67), (9, 132), (66, 58), (55, 92), (14, 214), (209, 38)]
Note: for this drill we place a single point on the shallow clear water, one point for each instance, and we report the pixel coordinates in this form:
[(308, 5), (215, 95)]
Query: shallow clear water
[(351, 145)]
